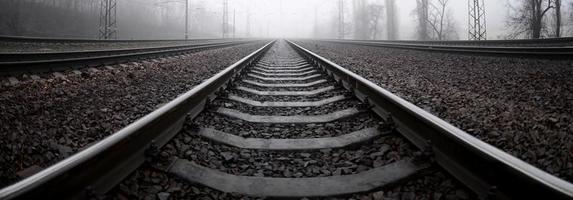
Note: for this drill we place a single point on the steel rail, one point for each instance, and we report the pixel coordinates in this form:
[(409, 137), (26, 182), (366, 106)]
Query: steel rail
[(564, 41), (31, 56), (101, 166), (565, 52), (485, 169), (42, 62), (5, 38)]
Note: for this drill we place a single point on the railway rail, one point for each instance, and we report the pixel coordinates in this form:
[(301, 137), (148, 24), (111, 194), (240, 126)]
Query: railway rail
[(558, 49), (22, 62), (545, 42), (5, 38), (292, 95)]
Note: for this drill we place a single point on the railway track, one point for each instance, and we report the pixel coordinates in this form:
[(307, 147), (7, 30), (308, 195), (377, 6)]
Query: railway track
[(560, 48), (546, 42), (285, 122), (23, 62)]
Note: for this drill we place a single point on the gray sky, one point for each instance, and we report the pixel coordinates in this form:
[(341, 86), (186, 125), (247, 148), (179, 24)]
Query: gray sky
[(295, 18)]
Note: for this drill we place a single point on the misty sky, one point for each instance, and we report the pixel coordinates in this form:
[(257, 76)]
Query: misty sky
[(295, 18)]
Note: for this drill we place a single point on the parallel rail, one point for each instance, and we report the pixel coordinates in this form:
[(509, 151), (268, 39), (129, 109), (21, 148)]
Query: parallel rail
[(559, 52), (14, 63), (98, 168), (485, 169), (555, 42), (4, 38)]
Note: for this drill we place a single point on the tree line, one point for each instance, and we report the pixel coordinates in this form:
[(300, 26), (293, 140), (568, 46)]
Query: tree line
[(366, 19), (137, 19), (527, 19)]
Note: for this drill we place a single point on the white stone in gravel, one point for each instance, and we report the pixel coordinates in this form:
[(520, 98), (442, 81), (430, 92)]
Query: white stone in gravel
[(163, 196), (77, 72), (58, 75), (13, 80), (35, 77), (92, 70), (109, 67)]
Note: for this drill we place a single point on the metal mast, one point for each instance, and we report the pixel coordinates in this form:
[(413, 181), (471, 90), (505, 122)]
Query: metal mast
[(225, 17), (340, 19), (186, 19), (476, 20), (108, 19)]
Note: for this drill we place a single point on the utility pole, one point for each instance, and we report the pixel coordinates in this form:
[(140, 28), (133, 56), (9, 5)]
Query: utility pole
[(225, 17), (476, 20), (340, 19), (108, 20), (186, 19)]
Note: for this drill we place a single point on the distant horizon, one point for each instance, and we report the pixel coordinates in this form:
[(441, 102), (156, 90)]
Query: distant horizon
[(269, 19)]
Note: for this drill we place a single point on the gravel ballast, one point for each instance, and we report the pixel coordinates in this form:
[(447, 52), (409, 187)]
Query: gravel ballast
[(522, 106), (43, 121)]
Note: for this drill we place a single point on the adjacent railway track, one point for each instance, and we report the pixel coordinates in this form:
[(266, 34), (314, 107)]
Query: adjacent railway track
[(4, 38), (22, 62), (546, 42), (291, 105), (558, 49)]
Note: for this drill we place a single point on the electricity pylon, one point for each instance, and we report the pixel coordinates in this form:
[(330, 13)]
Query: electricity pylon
[(476, 24), (108, 20)]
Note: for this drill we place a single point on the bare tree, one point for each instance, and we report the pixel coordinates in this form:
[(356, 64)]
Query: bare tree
[(528, 19), (421, 14), (374, 15), (557, 25), (435, 21), (360, 19), (571, 17), (441, 22), (391, 20)]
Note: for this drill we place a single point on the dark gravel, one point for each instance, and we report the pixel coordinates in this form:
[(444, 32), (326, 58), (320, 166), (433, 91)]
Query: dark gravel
[(44, 121), (434, 186), (148, 183), (522, 106)]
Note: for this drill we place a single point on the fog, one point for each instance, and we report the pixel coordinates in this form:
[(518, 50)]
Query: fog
[(165, 19)]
